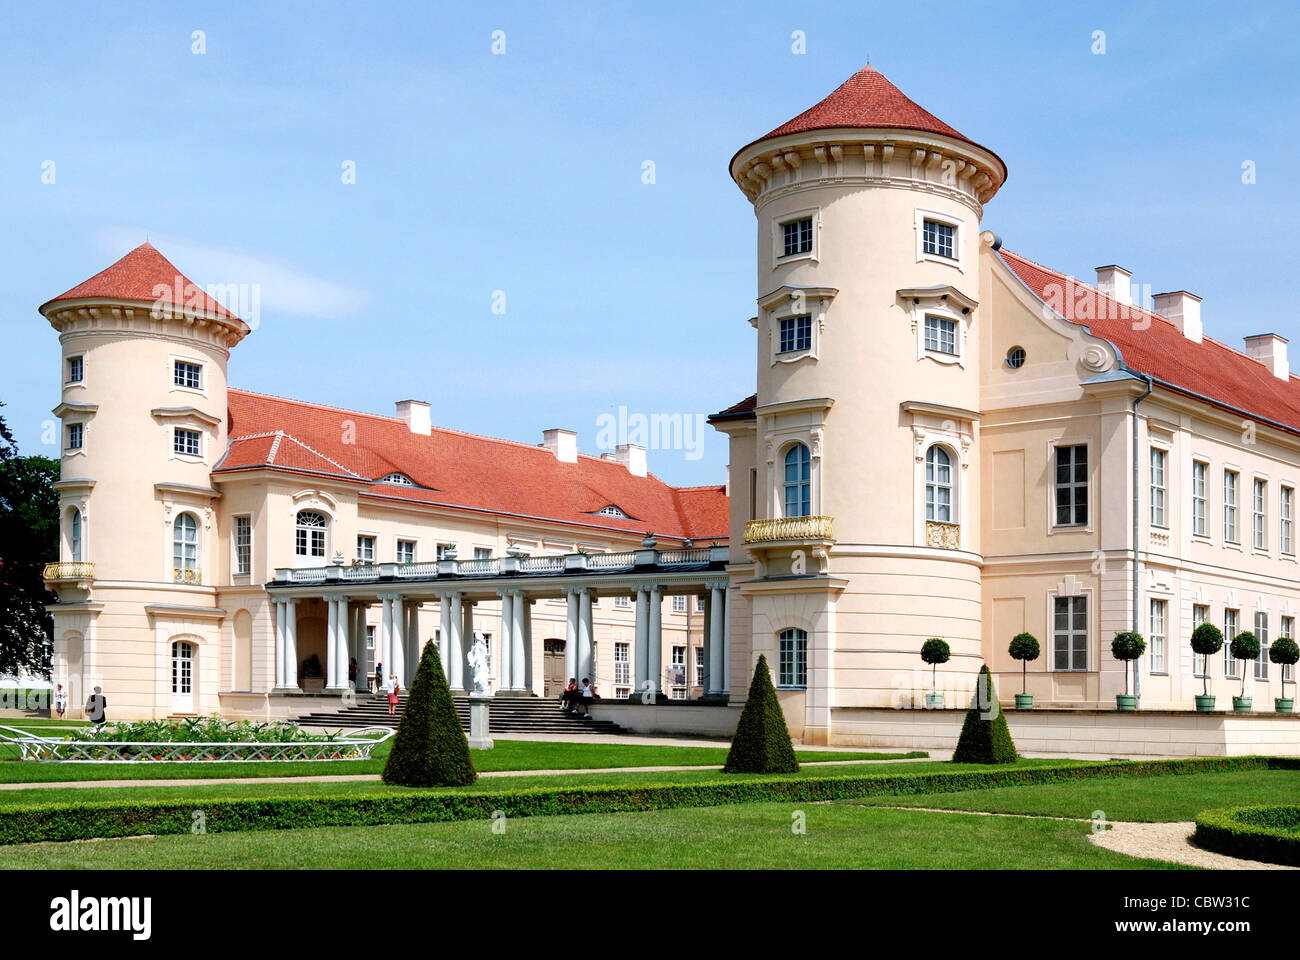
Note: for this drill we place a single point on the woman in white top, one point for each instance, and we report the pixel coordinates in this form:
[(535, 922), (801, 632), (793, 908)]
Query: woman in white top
[(391, 687)]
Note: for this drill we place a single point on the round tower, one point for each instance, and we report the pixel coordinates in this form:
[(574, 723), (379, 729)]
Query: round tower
[(142, 374), (868, 212)]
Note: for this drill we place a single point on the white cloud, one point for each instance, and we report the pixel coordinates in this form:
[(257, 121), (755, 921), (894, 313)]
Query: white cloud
[(284, 288)]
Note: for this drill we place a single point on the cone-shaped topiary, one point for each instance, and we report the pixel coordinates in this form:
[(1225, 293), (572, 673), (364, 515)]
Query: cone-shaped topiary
[(761, 743), (430, 749), (984, 736)]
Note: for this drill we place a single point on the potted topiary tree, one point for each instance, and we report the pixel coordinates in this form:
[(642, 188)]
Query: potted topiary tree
[(1024, 647), (1244, 647), (1284, 652), (1125, 647), (934, 652), (1207, 640)]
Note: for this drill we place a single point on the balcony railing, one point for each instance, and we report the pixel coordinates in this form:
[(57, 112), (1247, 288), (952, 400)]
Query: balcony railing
[(69, 570), (945, 535), (186, 575), (788, 528)]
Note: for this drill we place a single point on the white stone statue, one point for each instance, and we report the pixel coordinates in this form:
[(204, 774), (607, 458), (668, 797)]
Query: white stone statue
[(478, 667)]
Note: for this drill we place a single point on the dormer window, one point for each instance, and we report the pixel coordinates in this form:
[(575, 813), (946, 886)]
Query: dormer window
[(400, 479), (612, 511)]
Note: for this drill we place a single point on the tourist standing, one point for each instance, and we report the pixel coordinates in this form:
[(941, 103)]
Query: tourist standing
[(392, 694), (97, 708), (60, 701)]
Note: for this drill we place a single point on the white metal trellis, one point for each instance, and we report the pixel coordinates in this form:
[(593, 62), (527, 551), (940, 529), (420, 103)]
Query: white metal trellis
[(355, 746)]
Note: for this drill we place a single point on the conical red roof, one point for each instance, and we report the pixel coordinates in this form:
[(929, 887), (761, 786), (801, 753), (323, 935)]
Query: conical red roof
[(866, 99), (138, 276)]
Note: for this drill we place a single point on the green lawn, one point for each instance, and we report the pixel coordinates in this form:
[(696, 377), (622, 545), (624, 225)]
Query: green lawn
[(750, 836), (508, 755), (1172, 797)]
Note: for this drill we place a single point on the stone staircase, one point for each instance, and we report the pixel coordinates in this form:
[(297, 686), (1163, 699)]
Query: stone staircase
[(507, 715)]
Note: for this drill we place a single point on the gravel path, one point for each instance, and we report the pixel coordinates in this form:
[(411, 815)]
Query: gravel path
[(1172, 842)]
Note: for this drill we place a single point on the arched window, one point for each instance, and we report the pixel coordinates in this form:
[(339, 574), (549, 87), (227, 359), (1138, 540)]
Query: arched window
[(309, 536), (74, 535), (185, 548), (400, 479), (797, 487), (792, 658), (938, 485)]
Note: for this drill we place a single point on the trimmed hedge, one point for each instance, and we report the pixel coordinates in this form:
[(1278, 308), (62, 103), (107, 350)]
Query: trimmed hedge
[(1268, 833), (63, 822)]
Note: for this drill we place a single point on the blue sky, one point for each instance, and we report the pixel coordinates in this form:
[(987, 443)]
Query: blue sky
[(522, 173)]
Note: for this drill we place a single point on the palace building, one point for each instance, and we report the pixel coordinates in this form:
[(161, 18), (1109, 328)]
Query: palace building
[(946, 439)]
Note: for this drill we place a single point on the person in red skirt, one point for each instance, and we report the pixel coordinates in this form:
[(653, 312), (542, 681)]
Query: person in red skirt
[(392, 694)]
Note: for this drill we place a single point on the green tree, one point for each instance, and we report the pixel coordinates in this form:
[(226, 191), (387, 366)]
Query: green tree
[(1244, 646), (934, 652), (430, 749), (984, 736), (1125, 647), (1207, 640), (1024, 647), (29, 539), (761, 743), (1284, 652)]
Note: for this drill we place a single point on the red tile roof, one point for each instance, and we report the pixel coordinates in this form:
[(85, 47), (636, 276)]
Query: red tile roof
[(1152, 345), (866, 99), (462, 470), (137, 277), (738, 411)]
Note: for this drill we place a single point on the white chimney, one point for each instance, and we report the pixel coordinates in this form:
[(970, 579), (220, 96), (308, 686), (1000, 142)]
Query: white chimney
[(1115, 282), (562, 443), (415, 414), (1183, 310), (1270, 350), (632, 456)]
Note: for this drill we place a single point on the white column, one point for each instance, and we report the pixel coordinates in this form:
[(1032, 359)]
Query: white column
[(725, 686), (277, 606), (584, 634), (571, 636), (717, 619), (398, 665), (505, 669), (530, 675), (331, 643), (655, 641), (455, 646), (463, 674), (444, 636), (413, 648), (518, 678), (359, 645), (641, 648), (385, 662), (291, 644)]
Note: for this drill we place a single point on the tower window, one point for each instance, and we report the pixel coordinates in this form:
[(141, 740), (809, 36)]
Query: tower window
[(792, 658), (938, 485), (76, 369), (795, 334), (186, 374), (186, 443), (941, 335), (796, 237), (938, 239), (797, 488), (76, 435)]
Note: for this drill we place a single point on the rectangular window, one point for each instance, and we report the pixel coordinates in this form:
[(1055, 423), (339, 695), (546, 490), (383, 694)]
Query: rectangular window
[(366, 549), (1200, 513), (1070, 633), (243, 545), (1157, 478), (1286, 531), (76, 368), (622, 664), (186, 374), (1230, 506), (699, 666), (699, 603), (795, 334), (185, 443), (1261, 634), (622, 603), (677, 672), (941, 335), (1288, 630), (938, 239), (1159, 611), (1229, 631), (792, 659), (370, 637), (796, 237), (679, 603), (482, 553), (1200, 665), (1259, 516), (1072, 486), (76, 436), (406, 551)]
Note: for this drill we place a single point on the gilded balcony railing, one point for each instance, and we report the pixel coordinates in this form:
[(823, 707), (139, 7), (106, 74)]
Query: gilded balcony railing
[(186, 575), (70, 570), (788, 528), (946, 535)]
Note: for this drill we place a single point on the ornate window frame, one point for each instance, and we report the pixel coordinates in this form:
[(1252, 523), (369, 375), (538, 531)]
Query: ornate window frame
[(781, 425), (947, 303), (778, 237), (786, 302), (173, 387), (948, 220), (954, 429)]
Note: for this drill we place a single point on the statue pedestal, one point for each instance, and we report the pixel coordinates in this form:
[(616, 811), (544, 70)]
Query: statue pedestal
[(478, 723)]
